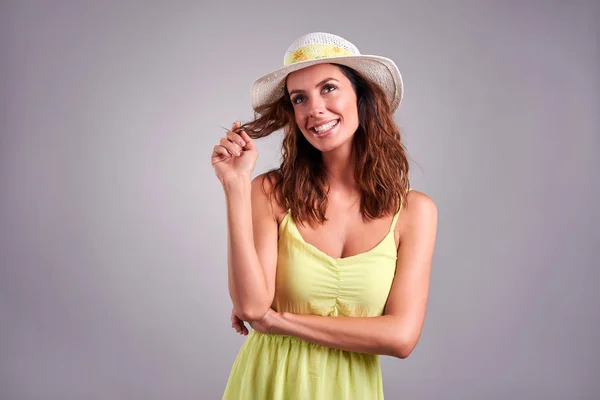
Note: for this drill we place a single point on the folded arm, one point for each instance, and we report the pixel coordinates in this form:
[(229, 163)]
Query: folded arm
[(397, 332)]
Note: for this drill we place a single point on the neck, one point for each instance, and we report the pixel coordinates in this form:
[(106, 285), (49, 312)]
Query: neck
[(340, 165)]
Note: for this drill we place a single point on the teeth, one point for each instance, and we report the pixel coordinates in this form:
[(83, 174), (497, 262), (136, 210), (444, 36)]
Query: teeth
[(325, 127)]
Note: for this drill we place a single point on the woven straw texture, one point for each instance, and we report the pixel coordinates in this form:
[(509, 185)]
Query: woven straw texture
[(380, 70)]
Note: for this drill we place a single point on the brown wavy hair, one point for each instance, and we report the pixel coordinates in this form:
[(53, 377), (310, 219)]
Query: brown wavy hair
[(381, 169)]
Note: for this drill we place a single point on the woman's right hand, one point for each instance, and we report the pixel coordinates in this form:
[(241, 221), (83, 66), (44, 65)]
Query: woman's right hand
[(234, 156)]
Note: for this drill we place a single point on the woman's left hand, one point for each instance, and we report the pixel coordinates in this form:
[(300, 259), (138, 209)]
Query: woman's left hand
[(267, 324), (238, 324)]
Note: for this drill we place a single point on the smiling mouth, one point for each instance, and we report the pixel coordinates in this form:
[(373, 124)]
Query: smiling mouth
[(325, 127)]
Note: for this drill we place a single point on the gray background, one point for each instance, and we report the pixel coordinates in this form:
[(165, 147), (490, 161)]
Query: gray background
[(112, 223)]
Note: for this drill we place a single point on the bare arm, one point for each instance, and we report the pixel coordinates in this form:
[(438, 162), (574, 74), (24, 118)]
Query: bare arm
[(397, 332), (251, 226), (251, 247)]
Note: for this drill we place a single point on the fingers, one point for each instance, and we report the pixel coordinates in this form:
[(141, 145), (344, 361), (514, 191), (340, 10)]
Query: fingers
[(233, 144), (232, 147), (234, 136), (244, 330), (246, 139), (220, 151), (241, 328), (238, 324), (234, 323)]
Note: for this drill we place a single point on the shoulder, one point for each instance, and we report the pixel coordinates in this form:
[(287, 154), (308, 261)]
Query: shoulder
[(265, 183), (421, 201), (420, 210), (263, 191)]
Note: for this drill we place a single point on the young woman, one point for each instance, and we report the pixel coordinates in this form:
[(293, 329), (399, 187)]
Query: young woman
[(330, 254)]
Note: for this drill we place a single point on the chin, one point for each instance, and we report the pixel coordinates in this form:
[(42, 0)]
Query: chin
[(330, 145)]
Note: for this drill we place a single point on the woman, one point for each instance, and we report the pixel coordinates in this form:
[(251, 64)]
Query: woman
[(329, 255)]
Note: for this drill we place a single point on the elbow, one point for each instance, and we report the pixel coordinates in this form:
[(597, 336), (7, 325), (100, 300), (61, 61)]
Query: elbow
[(402, 352), (252, 314), (252, 309), (402, 348)]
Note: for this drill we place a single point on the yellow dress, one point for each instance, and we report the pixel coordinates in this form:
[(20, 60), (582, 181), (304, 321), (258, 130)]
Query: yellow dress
[(279, 367)]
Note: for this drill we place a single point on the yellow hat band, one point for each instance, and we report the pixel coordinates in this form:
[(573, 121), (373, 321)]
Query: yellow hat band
[(316, 51)]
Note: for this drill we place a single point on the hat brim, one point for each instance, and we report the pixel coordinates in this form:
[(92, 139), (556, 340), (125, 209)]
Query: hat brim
[(380, 70)]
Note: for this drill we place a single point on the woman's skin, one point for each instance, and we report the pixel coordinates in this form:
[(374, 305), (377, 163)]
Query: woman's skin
[(322, 94)]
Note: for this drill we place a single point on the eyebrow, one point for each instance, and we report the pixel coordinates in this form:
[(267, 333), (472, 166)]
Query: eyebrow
[(317, 85)]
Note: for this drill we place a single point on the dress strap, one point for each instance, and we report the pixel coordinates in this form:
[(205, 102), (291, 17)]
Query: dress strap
[(395, 219)]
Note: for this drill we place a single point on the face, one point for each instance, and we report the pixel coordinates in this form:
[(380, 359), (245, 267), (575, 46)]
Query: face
[(324, 104)]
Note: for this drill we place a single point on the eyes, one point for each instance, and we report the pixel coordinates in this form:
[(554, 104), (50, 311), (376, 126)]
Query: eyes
[(326, 89)]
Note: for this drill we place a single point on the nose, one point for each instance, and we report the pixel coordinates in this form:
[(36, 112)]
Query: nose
[(317, 106)]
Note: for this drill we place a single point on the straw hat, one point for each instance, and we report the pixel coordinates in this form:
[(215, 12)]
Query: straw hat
[(319, 48)]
